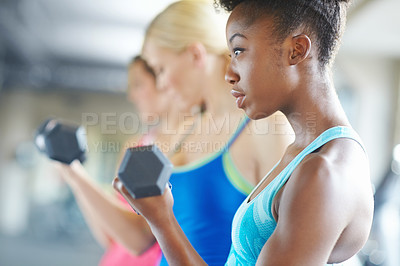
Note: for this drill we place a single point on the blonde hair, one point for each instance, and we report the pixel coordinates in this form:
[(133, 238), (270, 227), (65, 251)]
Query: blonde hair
[(186, 22)]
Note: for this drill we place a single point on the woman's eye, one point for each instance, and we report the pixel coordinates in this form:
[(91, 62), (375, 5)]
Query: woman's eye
[(237, 51)]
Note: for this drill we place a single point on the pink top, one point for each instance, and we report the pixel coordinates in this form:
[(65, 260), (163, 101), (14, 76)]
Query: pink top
[(117, 255)]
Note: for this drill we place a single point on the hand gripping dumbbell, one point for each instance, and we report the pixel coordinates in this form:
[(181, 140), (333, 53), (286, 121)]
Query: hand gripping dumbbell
[(144, 171), (61, 141)]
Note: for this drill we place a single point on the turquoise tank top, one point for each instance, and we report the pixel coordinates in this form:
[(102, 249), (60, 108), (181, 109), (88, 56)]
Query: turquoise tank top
[(207, 194), (253, 222)]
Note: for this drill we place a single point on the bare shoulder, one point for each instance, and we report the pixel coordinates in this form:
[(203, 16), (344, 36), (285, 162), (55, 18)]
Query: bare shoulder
[(331, 190), (341, 162), (340, 169)]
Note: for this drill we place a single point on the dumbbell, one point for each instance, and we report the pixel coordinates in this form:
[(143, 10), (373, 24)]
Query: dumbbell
[(61, 141), (145, 171)]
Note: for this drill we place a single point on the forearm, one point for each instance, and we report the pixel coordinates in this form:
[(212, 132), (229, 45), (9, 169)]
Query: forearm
[(107, 216), (157, 210), (97, 230), (175, 246)]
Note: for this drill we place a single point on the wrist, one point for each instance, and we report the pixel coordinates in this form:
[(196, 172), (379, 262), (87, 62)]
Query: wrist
[(164, 221)]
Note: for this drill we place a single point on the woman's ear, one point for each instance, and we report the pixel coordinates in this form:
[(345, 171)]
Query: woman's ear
[(197, 53), (300, 49)]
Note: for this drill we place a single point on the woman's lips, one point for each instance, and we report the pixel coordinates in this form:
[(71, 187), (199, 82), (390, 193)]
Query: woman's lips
[(240, 97)]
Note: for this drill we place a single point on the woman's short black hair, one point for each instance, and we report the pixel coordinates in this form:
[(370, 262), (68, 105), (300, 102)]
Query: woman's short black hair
[(324, 19), (139, 59)]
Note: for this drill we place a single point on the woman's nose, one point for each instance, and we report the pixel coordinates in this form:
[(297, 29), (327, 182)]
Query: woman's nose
[(230, 76)]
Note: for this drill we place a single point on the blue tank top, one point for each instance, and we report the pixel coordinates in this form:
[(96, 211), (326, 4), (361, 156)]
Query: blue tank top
[(254, 223), (206, 197)]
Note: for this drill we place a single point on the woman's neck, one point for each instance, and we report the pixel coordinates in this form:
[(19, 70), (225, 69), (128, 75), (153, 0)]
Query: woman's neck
[(314, 108)]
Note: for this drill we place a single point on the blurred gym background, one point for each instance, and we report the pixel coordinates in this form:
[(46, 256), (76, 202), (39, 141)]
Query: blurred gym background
[(68, 59)]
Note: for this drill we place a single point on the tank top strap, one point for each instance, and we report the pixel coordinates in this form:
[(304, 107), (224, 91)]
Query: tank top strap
[(331, 134), (239, 130), (328, 135)]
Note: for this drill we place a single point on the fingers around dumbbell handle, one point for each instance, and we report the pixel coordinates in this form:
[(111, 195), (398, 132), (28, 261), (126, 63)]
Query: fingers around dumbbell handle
[(118, 185), (121, 189)]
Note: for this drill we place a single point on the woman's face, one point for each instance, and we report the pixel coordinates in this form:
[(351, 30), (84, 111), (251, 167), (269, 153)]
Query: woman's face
[(142, 91), (257, 69), (175, 72)]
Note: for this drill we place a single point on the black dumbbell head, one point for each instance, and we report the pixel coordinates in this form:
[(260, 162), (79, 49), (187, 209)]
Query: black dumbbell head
[(63, 142), (145, 171)]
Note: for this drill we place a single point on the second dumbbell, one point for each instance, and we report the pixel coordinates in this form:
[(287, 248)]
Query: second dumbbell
[(61, 141)]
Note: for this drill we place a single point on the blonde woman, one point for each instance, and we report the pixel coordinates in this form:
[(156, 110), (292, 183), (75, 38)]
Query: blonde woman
[(224, 156)]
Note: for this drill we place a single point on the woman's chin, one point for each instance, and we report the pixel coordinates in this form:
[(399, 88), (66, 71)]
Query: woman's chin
[(254, 114)]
